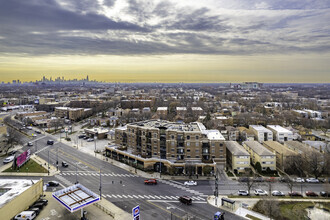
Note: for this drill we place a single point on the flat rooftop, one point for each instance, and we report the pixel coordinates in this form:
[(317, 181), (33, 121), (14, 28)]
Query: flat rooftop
[(280, 148), (13, 187), (279, 128), (167, 124), (260, 128)]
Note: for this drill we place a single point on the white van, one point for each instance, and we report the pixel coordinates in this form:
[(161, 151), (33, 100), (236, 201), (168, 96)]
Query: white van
[(26, 215), (9, 159)]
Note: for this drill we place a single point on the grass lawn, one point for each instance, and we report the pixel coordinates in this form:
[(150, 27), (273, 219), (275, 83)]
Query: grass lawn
[(229, 173), (29, 167), (252, 217)]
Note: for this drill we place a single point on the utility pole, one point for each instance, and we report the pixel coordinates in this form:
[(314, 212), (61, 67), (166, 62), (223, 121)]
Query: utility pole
[(100, 184), (160, 166), (48, 162), (76, 173), (57, 159), (216, 192), (95, 147)]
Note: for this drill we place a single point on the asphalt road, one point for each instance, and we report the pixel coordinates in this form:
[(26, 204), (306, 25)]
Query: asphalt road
[(127, 190)]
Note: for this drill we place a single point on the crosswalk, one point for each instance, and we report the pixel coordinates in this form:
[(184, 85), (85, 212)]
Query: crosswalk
[(181, 186), (149, 197), (86, 173), (63, 180)]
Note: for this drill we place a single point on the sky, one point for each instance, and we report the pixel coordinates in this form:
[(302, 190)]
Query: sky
[(166, 40)]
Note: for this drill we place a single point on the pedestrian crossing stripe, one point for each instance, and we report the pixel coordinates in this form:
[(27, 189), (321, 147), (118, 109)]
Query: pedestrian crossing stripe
[(150, 197), (67, 173)]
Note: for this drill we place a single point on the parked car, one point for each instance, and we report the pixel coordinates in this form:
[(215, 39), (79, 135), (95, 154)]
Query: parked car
[(190, 183), (185, 200), (283, 179), (38, 205), (50, 142), (11, 153), (53, 183), (34, 135), (324, 194), (260, 192), (65, 164), (311, 193), (312, 180), (90, 139), (277, 193), (243, 179), (270, 179), (150, 181), (8, 159), (258, 179), (81, 136), (36, 210), (299, 180), (295, 194), (29, 127), (38, 132), (86, 137), (26, 215), (243, 193), (44, 201), (29, 144)]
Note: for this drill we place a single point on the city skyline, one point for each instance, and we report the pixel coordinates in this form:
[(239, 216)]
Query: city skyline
[(166, 41)]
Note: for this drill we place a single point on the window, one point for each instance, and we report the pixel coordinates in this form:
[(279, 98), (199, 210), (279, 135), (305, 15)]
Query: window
[(243, 157), (172, 149), (242, 162), (155, 135), (188, 156), (188, 143), (143, 133), (197, 137), (172, 137), (129, 130), (197, 150), (188, 150), (172, 143), (213, 144), (188, 137), (221, 144), (212, 151), (197, 144)]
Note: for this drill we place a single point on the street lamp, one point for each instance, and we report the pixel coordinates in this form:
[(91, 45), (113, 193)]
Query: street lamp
[(77, 173)]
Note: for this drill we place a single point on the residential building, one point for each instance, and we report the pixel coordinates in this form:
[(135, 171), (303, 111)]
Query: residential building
[(73, 114), (245, 134), (173, 141), (283, 153), (261, 133), (259, 153), (99, 133), (237, 157), (280, 134), (233, 133), (181, 111), (162, 111)]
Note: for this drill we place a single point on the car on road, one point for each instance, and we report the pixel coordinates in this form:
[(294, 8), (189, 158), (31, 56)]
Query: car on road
[(34, 135), (8, 159), (258, 179), (90, 139), (65, 164), (29, 144), (86, 137), (311, 193), (53, 183), (150, 181), (243, 179), (219, 216), (324, 194), (295, 194), (284, 179), (29, 127), (260, 192), (81, 136), (312, 180), (50, 142), (277, 193), (25, 215), (243, 193), (11, 153), (38, 132), (190, 183), (299, 180), (185, 200)]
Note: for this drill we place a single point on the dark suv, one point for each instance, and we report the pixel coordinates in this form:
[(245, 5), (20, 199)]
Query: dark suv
[(50, 142), (185, 200)]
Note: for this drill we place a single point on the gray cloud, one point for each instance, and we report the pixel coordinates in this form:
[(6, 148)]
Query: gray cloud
[(36, 27)]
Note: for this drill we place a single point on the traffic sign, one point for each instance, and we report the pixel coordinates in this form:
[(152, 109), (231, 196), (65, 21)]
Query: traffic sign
[(136, 212)]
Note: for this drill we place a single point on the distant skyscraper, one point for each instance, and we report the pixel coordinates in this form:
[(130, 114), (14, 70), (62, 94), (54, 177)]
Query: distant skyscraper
[(87, 78)]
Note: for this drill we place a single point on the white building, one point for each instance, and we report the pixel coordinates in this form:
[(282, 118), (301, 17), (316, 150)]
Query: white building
[(262, 133), (281, 134)]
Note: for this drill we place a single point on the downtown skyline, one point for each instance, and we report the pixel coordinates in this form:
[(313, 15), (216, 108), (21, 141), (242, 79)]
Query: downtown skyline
[(166, 41)]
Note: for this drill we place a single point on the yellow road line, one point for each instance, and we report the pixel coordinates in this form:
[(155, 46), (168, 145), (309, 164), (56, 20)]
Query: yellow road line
[(164, 209), (77, 159)]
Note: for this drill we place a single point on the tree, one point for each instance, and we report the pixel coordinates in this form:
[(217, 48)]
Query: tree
[(12, 137), (248, 182), (317, 164), (289, 183), (258, 167), (56, 123)]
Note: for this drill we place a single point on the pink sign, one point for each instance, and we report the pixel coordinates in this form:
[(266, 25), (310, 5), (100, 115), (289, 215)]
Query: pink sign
[(21, 159)]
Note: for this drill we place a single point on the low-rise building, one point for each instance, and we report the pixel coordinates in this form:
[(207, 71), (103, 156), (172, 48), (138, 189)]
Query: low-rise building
[(283, 153), (245, 134), (73, 114), (259, 153), (281, 134), (237, 157), (99, 133), (233, 133), (261, 133), (162, 111)]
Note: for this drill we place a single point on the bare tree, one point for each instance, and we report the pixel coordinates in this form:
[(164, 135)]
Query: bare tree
[(12, 137), (248, 182), (289, 183), (57, 123), (317, 164), (270, 206)]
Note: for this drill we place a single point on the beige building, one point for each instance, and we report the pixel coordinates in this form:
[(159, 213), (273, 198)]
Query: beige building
[(74, 114), (17, 195), (162, 111), (282, 153), (181, 111), (173, 141), (259, 153), (237, 157), (261, 133)]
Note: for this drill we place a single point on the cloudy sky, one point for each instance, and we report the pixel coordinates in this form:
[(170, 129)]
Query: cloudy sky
[(166, 40)]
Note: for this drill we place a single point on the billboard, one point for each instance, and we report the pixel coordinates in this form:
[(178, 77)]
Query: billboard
[(21, 159)]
